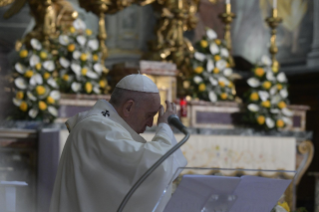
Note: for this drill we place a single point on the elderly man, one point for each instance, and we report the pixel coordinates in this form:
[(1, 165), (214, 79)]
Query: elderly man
[(104, 154)]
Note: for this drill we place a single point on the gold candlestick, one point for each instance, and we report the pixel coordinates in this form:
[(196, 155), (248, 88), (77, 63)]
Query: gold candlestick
[(227, 18), (273, 23)]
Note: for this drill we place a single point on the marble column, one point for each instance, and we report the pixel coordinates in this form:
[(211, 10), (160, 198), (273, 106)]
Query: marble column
[(316, 175), (313, 56)]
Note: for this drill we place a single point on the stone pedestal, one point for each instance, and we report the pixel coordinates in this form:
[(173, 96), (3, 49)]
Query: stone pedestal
[(313, 56)]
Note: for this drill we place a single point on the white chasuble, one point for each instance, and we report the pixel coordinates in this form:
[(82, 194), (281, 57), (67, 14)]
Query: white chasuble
[(103, 158)]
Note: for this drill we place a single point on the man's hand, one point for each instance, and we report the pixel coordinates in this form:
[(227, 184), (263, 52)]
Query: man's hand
[(170, 110)]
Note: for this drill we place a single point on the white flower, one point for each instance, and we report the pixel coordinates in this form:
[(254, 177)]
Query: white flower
[(287, 112), (221, 64), (253, 82), (93, 44), (76, 55), (284, 93), (210, 65), (264, 95), (270, 76), (98, 68), (17, 102), (79, 24), (287, 120), (213, 81), (91, 74), (20, 68), (96, 90), (53, 111), (224, 80), (212, 96), (52, 82), (270, 123), (55, 95), (49, 65), (64, 40), (20, 83), (228, 72), (31, 96), (281, 77), (81, 40), (34, 59), (253, 107), (36, 80), (213, 48), (33, 113), (198, 79), (275, 99), (64, 62), (76, 68), (36, 44), (278, 208), (211, 34), (199, 56), (76, 86), (273, 90), (265, 60), (275, 111), (224, 52)]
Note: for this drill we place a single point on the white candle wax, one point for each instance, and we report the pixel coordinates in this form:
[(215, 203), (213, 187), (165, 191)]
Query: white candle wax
[(227, 1), (274, 5)]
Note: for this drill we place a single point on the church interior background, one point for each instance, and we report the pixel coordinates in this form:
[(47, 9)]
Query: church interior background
[(244, 75)]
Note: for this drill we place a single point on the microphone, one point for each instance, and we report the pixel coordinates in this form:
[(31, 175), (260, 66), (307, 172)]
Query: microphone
[(176, 122)]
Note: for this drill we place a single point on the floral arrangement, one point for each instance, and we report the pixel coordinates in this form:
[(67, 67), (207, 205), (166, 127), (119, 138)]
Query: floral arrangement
[(267, 98), (37, 92), (212, 76), (80, 61)]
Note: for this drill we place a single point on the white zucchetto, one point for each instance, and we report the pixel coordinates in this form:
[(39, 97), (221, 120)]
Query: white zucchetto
[(137, 82)]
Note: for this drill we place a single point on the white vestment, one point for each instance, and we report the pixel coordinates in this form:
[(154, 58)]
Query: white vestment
[(102, 159)]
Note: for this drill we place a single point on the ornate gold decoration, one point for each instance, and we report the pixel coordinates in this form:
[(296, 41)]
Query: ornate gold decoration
[(273, 22), (307, 150), (227, 18)]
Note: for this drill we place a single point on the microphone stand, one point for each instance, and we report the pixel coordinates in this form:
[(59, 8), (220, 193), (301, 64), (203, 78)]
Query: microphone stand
[(172, 120)]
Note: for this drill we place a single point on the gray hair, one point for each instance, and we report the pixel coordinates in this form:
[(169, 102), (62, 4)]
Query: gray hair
[(120, 96)]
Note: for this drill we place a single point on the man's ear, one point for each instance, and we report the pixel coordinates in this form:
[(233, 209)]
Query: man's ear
[(128, 106)]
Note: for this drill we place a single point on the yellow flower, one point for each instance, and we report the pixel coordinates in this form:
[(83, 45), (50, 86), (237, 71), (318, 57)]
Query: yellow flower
[(279, 86), (217, 57), (267, 85), (223, 95), (282, 105), (217, 41), (38, 66), (43, 55), (65, 77), (83, 57), (88, 32), (46, 75), (71, 47), (280, 123), (221, 83), (28, 73), (42, 105), (203, 43), (23, 53), (95, 57), (102, 83), (227, 65), (40, 90), (254, 96), (261, 120), (259, 72), (275, 69), (23, 106), (50, 100), (216, 70), (202, 87), (84, 71), (199, 69), (88, 87), (266, 104), (285, 206), (230, 84), (19, 95), (72, 29)]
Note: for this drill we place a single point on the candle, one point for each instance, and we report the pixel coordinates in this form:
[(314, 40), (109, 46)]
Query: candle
[(274, 4), (227, 1)]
